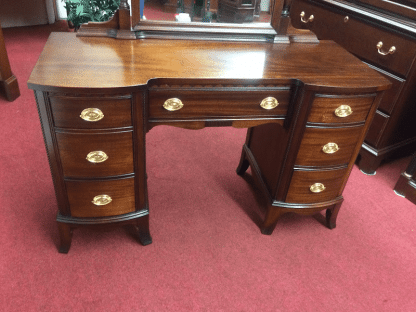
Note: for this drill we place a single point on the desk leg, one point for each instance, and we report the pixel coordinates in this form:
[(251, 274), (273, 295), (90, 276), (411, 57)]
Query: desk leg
[(331, 216), (143, 230), (65, 236), (272, 216), (244, 164)]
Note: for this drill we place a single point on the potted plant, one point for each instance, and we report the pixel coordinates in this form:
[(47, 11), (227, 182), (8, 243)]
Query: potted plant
[(84, 11)]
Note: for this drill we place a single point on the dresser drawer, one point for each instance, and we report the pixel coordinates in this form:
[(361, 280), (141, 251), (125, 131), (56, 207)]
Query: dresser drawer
[(327, 146), (109, 154), (327, 109), (111, 113), (100, 198), (376, 130), (302, 181), (205, 104)]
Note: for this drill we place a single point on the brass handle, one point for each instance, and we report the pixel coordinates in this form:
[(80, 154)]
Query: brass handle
[(269, 103), (346, 19), (303, 20), (343, 111), (317, 188), (390, 51), (101, 200), (173, 104), (97, 157), (330, 148), (92, 114)]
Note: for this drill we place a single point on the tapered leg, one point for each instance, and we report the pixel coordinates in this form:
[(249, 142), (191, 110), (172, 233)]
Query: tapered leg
[(143, 230), (244, 164), (272, 216), (331, 216), (65, 236)]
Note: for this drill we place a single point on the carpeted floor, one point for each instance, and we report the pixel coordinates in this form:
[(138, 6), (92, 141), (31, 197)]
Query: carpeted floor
[(207, 252)]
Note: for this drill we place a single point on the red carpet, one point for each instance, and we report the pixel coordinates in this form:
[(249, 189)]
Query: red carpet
[(207, 252)]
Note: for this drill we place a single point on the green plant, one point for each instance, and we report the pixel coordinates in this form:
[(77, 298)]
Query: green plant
[(83, 11)]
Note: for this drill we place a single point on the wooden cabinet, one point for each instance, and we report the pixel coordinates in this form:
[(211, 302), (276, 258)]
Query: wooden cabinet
[(8, 82), (386, 41), (306, 120)]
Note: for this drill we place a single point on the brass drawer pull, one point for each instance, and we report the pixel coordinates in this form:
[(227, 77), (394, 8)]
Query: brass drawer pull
[(317, 188), (330, 148), (390, 51), (173, 104), (346, 19), (269, 103), (101, 200), (96, 157), (303, 20), (343, 111), (92, 114)]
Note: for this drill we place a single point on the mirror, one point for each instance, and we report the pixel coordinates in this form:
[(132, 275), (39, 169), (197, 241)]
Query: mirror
[(239, 20)]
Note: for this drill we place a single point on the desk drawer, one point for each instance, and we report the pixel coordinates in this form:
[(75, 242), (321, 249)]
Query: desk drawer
[(327, 146), (205, 104), (327, 109), (111, 198), (74, 149), (302, 181), (114, 112)]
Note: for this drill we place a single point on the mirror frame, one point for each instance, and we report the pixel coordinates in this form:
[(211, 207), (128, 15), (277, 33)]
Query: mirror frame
[(126, 26)]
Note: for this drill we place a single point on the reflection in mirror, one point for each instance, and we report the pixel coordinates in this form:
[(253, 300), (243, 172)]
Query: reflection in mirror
[(208, 11)]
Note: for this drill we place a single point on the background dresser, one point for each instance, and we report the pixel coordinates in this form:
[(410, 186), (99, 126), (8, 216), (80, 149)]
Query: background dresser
[(383, 35)]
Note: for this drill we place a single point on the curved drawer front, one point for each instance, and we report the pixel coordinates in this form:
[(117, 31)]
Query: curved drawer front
[(327, 146), (219, 103), (100, 198), (67, 112), (325, 109), (109, 154), (302, 181)]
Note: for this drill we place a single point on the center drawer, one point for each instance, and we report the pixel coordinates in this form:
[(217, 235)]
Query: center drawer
[(218, 103)]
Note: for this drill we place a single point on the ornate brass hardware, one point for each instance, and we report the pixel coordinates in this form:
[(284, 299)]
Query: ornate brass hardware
[(97, 157), (92, 114), (343, 111), (101, 200), (269, 103), (390, 51), (330, 148), (346, 19), (303, 20), (317, 188), (173, 104)]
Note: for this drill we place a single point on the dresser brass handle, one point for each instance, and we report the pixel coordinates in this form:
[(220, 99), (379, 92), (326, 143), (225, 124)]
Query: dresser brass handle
[(343, 111), (173, 104), (330, 148), (101, 200), (97, 157), (303, 20), (346, 19), (92, 114), (317, 188), (269, 103), (390, 51)]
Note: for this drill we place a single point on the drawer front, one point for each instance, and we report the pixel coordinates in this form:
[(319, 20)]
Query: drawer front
[(300, 185), (328, 146), (325, 109), (357, 37), (67, 112), (109, 154), (200, 104), (81, 196)]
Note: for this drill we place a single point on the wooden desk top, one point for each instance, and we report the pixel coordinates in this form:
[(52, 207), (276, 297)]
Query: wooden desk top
[(68, 61)]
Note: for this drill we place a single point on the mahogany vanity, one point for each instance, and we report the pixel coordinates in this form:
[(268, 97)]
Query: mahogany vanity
[(307, 107)]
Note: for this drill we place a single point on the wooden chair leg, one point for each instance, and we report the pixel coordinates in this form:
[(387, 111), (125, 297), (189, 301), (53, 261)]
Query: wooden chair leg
[(65, 236)]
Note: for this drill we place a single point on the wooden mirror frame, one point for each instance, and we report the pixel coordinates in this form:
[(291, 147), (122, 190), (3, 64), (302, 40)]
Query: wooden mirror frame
[(124, 26)]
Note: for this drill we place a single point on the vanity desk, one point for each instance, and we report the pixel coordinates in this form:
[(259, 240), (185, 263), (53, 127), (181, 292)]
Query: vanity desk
[(307, 107)]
